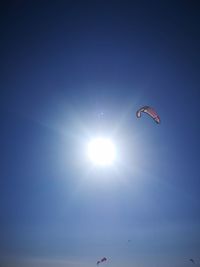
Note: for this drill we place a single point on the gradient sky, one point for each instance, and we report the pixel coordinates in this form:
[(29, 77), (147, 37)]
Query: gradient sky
[(63, 63)]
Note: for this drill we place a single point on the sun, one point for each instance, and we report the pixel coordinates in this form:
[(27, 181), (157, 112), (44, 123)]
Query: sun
[(101, 151)]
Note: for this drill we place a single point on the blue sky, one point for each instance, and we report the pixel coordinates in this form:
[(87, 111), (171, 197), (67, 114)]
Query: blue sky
[(63, 63)]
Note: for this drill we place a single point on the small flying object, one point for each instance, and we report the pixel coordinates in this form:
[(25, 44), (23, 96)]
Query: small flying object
[(102, 260), (150, 111), (192, 261)]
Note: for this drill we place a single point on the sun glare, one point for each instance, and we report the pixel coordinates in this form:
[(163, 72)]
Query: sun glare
[(101, 151)]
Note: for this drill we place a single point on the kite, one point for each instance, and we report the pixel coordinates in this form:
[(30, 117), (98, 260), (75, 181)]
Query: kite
[(150, 111), (192, 261), (102, 260)]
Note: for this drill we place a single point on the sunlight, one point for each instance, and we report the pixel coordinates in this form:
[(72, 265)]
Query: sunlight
[(101, 151)]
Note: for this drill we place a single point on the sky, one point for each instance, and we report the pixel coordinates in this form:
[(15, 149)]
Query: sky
[(75, 70)]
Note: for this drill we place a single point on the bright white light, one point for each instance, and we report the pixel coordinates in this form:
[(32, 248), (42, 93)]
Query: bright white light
[(101, 151)]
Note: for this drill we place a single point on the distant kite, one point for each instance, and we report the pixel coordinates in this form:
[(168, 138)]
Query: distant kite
[(102, 260), (192, 261), (150, 111)]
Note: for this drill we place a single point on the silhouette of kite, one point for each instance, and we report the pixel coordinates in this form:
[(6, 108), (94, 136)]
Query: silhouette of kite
[(102, 260), (150, 111)]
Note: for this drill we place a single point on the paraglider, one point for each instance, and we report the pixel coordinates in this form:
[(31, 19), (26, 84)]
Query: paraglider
[(102, 260), (150, 111)]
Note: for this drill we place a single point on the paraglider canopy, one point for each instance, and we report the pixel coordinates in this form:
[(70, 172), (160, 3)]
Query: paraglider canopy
[(150, 111)]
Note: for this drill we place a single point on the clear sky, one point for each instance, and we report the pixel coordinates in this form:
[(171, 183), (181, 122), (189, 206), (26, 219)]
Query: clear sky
[(75, 70)]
